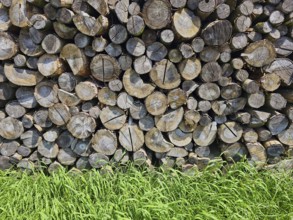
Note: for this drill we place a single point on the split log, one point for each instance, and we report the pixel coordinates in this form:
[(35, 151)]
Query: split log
[(50, 65), (170, 120), (113, 118), (186, 24), (137, 110), (100, 6), (98, 160), (134, 85), (7, 45), (65, 139), (190, 68), (11, 128), (146, 123), (230, 132), (66, 156), (41, 118), (25, 97), (64, 31), (75, 59), (27, 46), (257, 152), (205, 135), (22, 77), (48, 149), (81, 147), (86, 90), (234, 152), (179, 138), (14, 109), (46, 93), (131, 137), (67, 81), (155, 141), (59, 114), (67, 98), (274, 148), (176, 98), (104, 68), (124, 101), (121, 10)]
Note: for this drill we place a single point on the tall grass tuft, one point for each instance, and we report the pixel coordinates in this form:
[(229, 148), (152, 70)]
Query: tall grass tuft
[(140, 193)]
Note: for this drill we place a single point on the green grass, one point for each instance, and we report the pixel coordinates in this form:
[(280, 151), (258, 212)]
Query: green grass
[(241, 193)]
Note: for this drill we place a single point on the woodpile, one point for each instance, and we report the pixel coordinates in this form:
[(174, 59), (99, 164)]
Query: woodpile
[(85, 83)]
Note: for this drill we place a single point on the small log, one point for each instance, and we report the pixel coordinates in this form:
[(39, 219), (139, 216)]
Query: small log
[(170, 120), (81, 40), (231, 91), (64, 16), (107, 97), (204, 106), (209, 54), (24, 151), (66, 157), (217, 32), (197, 44), (27, 121), (65, 139), (8, 47), (190, 68), (104, 68), (164, 74), (8, 148), (113, 118), (276, 101), (52, 44), (19, 12), (186, 50), (140, 157), (270, 82), (14, 109), (133, 8), (98, 160), (104, 142), (277, 123), (75, 59), (113, 50), (82, 163), (250, 135), (5, 163), (176, 98), (242, 23), (46, 93), (256, 100), (157, 14), (257, 152), (274, 148), (211, 72), (11, 128), (100, 6), (131, 137), (124, 101), (59, 114), (121, 156), (54, 167), (250, 86), (230, 132), (142, 65), (81, 125), (155, 141), (5, 22), (41, 118), (135, 86), (146, 123), (284, 46), (48, 149), (258, 118), (175, 56), (179, 138), (186, 24), (260, 53), (234, 152), (137, 110), (263, 134), (19, 60), (67, 81), (51, 135), (223, 11), (205, 135), (156, 51), (64, 31), (167, 36), (209, 91), (25, 97), (115, 85), (286, 136), (31, 63), (135, 25), (86, 90), (67, 98), (121, 10), (205, 8), (177, 152), (27, 45), (50, 65), (118, 34)]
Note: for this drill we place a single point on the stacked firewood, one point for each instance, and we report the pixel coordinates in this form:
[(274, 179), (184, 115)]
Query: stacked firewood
[(85, 83)]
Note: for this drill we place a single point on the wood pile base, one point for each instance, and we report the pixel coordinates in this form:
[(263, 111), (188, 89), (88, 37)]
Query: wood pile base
[(85, 83)]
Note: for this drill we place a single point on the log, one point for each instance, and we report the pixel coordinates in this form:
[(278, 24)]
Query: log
[(137, 110), (135, 86), (155, 141), (5, 22), (146, 123), (115, 85), (50, 65), (19, 60), (124, 101), (64, 31), (205, 135), (283, 68), (52, 44), (66, 157), (257, 152), (81, 125), (176, 98), (270, 82), (179, 138), (41, 118), (104, 142), (189, 68), (25, 97), (48, 149), (256, 100), (165, 75), (100, 6), (118, 34), (98, 160), (75, 59), (59, 114), (131, 137), (277, 123), (170, 120), (230, 132), (11, 128), (276, 101), (18, 13), (113, 118), (167, 36), (67, 81), (14, 109), (210, 54), (231, 91), (213, 91), (234, 152), (27, 121), (107, 97), (86, 90), (65, 140), (133, 8), (274, 148), (156, 51), (46, 93), (27, 45), (64, 16), (67, 98), (121, 10), (7, 45), (8, 148), (157, 14), (135, 25), (260, 53), (104, 68)]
